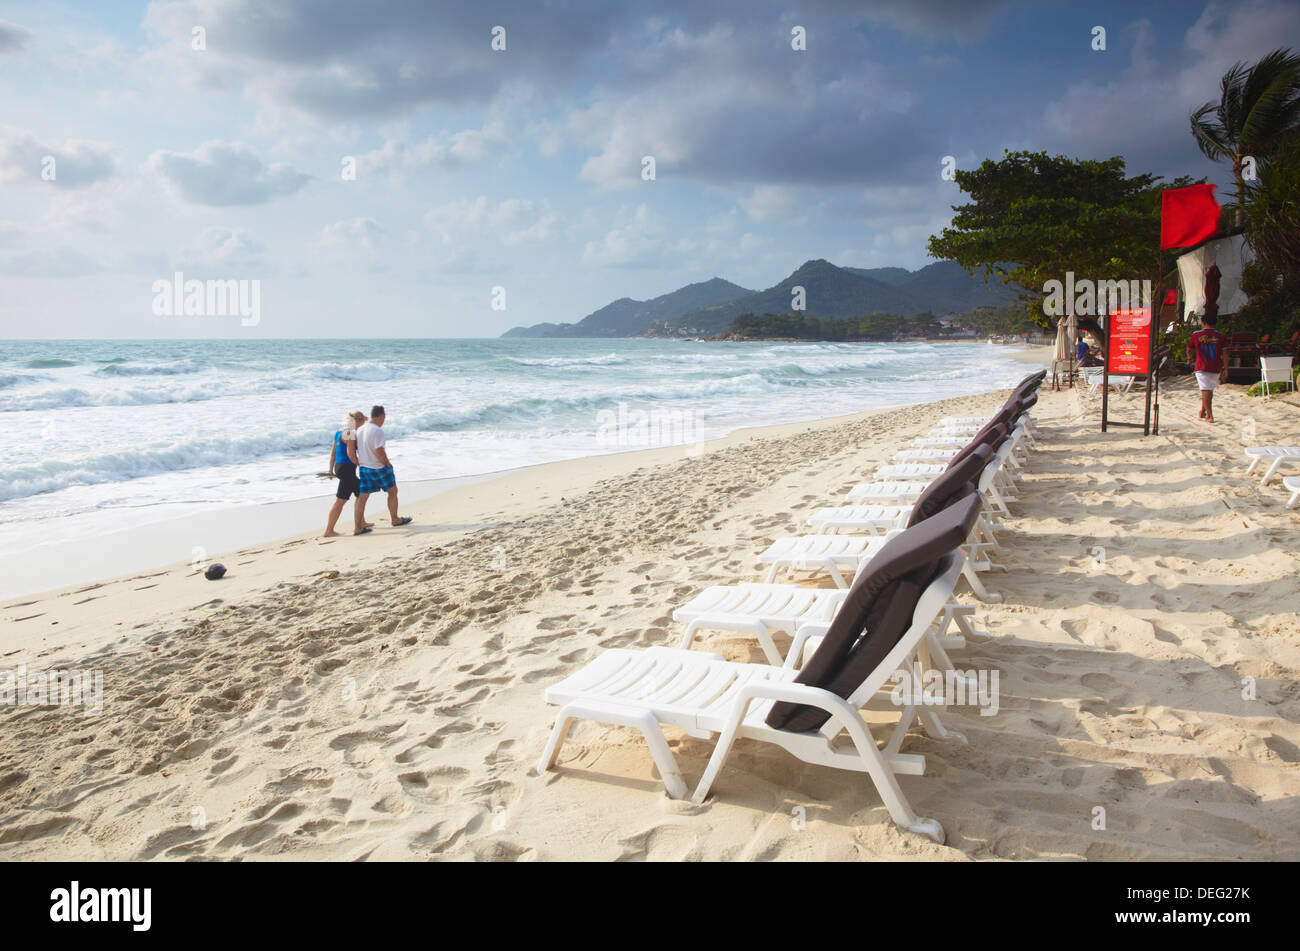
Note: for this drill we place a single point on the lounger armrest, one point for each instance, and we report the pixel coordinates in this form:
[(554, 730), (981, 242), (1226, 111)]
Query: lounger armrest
[(840, 710), (812, 630)]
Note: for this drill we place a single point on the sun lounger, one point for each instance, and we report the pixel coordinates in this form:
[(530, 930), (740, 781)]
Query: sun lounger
[(1092, 376), (1292, 484), (1276, 455), (880, 628), (925, 455), (909, 470)]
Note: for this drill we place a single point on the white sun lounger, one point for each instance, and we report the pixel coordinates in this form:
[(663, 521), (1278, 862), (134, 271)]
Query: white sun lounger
[(833, 554), (1292, 484), (925, 455), (765, 609), (1092, 376), (1277, 455), (705, 695), (909, 470), (887, 493), (758, 609)]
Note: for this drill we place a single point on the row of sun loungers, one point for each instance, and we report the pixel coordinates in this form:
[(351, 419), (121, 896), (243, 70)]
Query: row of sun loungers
[(926, 528)]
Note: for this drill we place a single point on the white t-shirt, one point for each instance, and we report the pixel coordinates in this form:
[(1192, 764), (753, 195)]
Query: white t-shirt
[(370, 438)]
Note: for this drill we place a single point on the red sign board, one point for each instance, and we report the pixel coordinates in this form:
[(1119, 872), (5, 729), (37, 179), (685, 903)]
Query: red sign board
[(1128, 342)]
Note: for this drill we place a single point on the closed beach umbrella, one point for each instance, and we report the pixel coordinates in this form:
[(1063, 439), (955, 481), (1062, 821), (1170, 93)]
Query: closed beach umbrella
[(1062, 343)]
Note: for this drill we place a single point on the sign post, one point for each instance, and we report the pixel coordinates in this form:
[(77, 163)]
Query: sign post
[(1128, 353)]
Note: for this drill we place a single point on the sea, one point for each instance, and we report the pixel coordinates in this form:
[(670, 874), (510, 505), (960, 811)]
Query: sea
[(108, 434)]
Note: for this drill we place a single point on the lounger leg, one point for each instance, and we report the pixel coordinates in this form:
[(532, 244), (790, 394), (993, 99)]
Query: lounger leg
[(964, 625), (978, 586), (641, 720), (1272, 470), (887, 783), (689, 634), (765, 641)]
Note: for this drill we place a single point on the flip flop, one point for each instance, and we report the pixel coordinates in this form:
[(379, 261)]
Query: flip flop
[(364, 530), (402, 521)]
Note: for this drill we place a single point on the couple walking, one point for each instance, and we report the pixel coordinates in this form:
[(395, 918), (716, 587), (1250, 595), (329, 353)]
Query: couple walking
[(359, 460)]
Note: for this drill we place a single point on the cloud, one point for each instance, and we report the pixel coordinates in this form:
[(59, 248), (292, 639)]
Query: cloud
[(220, 247), (637, 241), (512, 221), (398, 156), (729, 105), (353, 233), (771, 203), (77, 162), (357, 60), (58, 262), (223, 174), (13, 38), (1098, 119)]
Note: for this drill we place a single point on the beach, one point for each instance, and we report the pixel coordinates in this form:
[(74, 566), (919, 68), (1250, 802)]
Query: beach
[(382, 697)]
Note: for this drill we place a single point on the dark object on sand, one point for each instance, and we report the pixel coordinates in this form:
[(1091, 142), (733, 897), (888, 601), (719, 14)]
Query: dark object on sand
[(215, 571)]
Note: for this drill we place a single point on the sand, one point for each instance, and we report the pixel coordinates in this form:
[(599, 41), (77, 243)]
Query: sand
[(394, 710)]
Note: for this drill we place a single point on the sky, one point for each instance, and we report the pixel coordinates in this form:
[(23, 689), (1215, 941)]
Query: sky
[(380, 170)]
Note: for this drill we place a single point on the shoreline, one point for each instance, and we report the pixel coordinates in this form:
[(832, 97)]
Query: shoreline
[(225, 533)]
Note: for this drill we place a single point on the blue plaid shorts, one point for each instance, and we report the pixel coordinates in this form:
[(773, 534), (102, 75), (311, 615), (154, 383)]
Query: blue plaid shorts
[(376, 480)]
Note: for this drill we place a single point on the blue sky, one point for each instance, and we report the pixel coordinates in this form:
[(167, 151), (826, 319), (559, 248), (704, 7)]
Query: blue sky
[(521, 168)]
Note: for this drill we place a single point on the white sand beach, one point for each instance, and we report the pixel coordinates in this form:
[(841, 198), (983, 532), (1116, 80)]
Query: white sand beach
[(382, 697)]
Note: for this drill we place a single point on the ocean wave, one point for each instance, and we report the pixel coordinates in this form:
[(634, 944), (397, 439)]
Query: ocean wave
[(611, 359), (51, 363), (18, 379), (536, 409), (177, 368), (364, 372), (51, 475), (68, 397), (698, 357)]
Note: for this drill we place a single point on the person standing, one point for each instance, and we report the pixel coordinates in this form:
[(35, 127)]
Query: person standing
[(343, 463), (1207, 345), (376, 471)]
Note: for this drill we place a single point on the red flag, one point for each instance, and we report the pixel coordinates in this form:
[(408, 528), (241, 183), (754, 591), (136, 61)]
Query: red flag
[(1188, 216)]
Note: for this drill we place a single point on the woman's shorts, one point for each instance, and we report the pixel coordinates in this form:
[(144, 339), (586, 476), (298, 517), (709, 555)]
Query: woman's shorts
[(1208, 379), (348, 484)]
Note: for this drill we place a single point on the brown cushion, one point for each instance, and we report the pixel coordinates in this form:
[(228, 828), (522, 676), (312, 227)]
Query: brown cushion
[(946, 486), (877, 611), (990, 436)]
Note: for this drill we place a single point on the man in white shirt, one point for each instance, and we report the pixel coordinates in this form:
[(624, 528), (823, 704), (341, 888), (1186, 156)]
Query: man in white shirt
[(375, 472)]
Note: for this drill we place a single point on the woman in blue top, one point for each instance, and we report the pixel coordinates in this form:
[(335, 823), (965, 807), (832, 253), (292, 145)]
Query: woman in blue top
[(343, 464)]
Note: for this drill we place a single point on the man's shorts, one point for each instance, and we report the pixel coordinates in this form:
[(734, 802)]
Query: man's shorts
[(1208, 379), (348, 484), (377, 480)]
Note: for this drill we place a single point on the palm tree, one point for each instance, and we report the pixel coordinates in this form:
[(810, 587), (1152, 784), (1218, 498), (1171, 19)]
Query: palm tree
[(1259, 106)]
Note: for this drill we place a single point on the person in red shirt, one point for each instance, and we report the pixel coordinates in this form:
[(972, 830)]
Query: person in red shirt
[(1207, 346)]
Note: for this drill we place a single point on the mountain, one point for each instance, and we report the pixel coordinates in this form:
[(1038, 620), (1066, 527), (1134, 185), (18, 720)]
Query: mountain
[(829, 291), (626, 317), (951, 290), (890, 275)]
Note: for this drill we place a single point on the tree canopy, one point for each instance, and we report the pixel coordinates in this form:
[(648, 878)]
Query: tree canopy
[(1033, 217)]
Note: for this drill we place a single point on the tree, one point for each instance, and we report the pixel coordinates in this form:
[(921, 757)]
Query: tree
[(1258, 107), (1272, 279), (1033, 217)]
